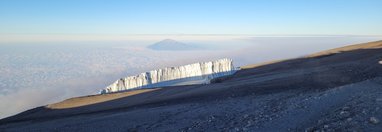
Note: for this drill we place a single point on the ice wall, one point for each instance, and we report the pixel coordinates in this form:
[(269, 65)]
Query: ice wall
[(195, 73)]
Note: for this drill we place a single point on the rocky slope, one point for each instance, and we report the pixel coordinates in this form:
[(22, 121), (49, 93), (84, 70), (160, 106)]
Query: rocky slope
[(335, 90)]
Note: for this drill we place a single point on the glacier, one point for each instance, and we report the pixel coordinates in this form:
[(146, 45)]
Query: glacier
[(197, 73)]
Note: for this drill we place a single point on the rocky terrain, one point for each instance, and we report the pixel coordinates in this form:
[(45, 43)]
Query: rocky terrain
[(334, 90)]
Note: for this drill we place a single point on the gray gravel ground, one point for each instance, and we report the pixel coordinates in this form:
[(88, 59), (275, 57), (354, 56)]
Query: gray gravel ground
[(353, 107)]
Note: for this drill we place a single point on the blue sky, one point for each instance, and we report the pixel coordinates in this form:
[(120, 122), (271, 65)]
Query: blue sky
[(253, 17)]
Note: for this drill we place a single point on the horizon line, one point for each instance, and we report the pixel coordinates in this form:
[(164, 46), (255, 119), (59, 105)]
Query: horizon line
[(278, 35)]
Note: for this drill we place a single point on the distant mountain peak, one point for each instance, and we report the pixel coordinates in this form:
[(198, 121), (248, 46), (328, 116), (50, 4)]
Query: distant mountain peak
[(170, 40), (170, 44)]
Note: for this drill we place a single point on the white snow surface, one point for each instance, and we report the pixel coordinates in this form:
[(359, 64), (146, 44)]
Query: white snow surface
[(197, 73)]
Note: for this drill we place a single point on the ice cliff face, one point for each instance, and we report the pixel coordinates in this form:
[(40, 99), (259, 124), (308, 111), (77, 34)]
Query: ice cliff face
[(197, 73)]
